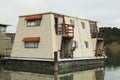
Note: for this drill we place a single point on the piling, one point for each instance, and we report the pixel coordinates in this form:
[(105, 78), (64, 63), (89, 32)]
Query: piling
[(56, 61)]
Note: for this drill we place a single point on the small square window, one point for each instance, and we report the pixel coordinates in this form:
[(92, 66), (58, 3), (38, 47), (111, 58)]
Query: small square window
[(83, 25), (75, 44), (86, 44)]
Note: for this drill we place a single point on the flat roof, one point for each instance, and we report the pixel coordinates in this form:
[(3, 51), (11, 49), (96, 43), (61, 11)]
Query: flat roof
[(58, 14)]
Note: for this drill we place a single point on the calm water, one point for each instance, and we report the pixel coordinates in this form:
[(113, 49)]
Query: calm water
[(112, 73)]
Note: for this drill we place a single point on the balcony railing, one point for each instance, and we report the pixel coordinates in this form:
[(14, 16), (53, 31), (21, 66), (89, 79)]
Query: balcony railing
[(94, 35), (97, 35), (68, 31), (100, 35), (99, 53)]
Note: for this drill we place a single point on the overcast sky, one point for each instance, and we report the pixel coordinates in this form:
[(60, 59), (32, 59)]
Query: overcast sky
[(106, 12)]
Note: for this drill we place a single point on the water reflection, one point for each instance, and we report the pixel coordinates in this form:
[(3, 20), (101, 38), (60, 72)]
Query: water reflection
[(95, 74)]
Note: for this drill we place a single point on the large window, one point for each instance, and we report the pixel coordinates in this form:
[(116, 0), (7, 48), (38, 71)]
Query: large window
[(86, 44), (58, 25), (93, 27), (31, 23), (31, 44)]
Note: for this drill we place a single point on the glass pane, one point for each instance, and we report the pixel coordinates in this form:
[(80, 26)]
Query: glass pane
[(31, 44)]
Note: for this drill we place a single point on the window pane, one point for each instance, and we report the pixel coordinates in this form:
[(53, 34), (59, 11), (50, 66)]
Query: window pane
[(35, 44), (33, 22), (31, 44)]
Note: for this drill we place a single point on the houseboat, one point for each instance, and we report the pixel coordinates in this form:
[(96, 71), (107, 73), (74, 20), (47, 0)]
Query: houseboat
[(49, 37)]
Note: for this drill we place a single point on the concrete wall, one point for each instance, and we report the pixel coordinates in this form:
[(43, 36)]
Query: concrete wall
[(44, 31), (94, 43), (81, 35)]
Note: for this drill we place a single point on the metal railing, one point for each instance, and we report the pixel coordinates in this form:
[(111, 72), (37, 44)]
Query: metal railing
[(99, 52), (67, 30)]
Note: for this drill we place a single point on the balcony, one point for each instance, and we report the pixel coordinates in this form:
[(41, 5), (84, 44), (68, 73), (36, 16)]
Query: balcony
[(100, 36), (67, 31), (94, 35), (99, 53)]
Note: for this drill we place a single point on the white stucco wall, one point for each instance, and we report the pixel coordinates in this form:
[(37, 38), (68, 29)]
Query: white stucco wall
[(81, 35), (44, 31)]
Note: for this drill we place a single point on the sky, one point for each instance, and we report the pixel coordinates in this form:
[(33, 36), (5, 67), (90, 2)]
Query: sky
[(106, 12)]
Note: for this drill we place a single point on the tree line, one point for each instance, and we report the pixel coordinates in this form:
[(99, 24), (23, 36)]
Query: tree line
[(110, 34)]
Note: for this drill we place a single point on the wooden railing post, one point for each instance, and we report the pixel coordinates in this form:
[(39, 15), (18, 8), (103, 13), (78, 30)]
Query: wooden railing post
[(56, 61)]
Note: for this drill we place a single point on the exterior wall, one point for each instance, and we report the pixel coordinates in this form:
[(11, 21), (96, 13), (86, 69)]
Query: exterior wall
[(49, 41), (99, 45), (94, 42), (56, 39), (81, 35), (44, 31)]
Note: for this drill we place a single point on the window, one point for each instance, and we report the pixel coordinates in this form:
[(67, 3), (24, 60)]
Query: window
[(31, 44), (83, 25), (31, 23), (58, 25), (86, 44), (72, 22), (75, 44), (92, 27)]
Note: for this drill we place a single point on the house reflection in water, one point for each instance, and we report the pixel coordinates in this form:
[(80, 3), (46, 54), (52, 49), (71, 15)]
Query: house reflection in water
[(96, 74)]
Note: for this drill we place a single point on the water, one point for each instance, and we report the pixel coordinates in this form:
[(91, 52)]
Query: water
[(107, 73)]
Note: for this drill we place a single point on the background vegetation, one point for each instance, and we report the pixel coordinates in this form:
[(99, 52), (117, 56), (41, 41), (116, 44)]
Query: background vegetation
[(112, 44)]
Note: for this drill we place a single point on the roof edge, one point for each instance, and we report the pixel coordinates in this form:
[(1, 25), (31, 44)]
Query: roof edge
[(58, 14)]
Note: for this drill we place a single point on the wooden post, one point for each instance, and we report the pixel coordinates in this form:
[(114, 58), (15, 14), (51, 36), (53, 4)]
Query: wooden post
[(55, 75), (56, 61)]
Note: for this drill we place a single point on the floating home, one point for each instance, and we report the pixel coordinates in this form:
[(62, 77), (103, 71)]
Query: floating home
[(73, 39)]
